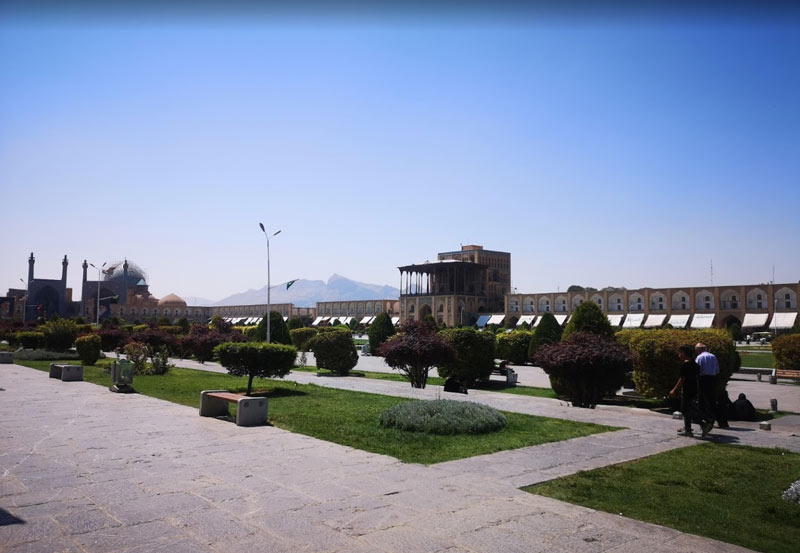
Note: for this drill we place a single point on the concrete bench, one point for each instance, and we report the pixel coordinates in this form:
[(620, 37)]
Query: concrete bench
[(250, 411), (66, 373), (6, 357), (783, 373)]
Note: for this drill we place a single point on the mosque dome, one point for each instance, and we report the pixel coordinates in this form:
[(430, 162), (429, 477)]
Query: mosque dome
[(115, 273), (171, 300)]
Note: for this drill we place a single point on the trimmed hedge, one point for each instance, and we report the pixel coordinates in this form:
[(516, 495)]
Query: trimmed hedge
[(30, 339), (443, 417), (657, 366), (335, 351), (302, 336), (59, 334), (88, 347), (786, 350), (514, 346), (475, 353), (588, 318)]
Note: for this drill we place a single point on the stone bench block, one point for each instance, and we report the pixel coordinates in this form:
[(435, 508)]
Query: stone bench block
[(6, 357), (66, 373), (250, 411)]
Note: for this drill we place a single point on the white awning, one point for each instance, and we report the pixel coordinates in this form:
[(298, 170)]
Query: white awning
[(316, 321), (654, 321), (783, 320), (755, 320), (395, 320), (633, 320), (482, 320), (615, 320), (346, 320), (526, 319), (703, 320), (678, 321), (496, 320), (561, 319), (365, 320), (285, 319)]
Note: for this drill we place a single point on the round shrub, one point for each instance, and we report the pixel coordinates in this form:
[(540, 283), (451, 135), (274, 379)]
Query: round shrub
[(59, 334), (588, 318), (415, 350), (335, 351), (475, 352), (256, 359), (112, 338), (30, 339), (278, 331), (88, 347), (585, 367), (514, 346), (380, 331), (444, 417), (657, 366), (547, 332), (786, 350), (301, 337)]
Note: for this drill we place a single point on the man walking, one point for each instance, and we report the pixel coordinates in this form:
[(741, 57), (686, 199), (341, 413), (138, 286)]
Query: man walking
[(687, 385), (709, 371)]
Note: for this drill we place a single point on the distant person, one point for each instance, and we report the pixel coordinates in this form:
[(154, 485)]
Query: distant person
[(743, 409), (687, 384), (709, 373)]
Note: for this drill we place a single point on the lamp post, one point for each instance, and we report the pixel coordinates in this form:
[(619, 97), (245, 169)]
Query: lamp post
[(99, 271), (24, 301), (268, 236)]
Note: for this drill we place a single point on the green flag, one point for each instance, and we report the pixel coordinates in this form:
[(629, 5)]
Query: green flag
[(289, 284)]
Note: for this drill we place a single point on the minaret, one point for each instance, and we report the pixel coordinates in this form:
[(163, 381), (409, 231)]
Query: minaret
[(31, 261), (85, 268), (64, 264), (124, 298)]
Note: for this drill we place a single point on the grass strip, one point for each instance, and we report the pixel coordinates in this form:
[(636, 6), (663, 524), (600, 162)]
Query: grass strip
[(349, 418), (725, 492), (758, 360)]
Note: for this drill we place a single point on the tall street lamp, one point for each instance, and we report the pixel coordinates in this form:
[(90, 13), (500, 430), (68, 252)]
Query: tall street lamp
[(99, 271), (268, 236), (24, 301)]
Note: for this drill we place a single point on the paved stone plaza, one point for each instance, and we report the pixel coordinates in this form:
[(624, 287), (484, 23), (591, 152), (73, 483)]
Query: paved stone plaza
[(86, 470)]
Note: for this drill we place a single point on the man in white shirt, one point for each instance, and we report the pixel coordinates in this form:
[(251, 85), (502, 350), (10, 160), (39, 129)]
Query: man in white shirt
[(709, 371)]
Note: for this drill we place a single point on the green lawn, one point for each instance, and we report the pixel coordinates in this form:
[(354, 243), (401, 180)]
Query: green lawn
[(348, 418), (759, 360), (725, 492), (493, 385)]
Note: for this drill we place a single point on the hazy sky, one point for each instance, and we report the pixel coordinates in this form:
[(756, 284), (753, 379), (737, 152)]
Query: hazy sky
[(598, 151)]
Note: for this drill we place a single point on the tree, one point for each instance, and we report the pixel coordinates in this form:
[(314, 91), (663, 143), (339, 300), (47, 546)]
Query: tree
[(294, 322), (381, 330), (59, 334), (335, 351), (279, 332), (474, 355), (302, 336), (585, 367), (183, 322), (415, 350), (256, 359), (589, 318), (548, 332), (576, 288), (88, 348)]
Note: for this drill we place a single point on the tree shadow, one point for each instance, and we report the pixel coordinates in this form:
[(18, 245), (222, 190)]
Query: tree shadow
[(7, 519), (275, 393)]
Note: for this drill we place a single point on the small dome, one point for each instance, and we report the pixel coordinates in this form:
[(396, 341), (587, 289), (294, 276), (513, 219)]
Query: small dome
[(171, 300)]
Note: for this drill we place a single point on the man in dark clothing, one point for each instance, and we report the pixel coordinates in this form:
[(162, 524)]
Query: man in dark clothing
[(743, 409), (687, 384)]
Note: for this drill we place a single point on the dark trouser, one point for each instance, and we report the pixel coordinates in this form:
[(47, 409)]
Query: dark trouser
[(708, 396), (692, 413)]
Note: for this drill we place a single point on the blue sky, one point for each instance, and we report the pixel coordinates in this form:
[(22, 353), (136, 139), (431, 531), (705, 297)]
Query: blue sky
[(597, 151)]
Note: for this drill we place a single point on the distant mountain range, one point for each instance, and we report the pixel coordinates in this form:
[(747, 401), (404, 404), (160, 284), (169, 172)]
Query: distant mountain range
[(306, 293)]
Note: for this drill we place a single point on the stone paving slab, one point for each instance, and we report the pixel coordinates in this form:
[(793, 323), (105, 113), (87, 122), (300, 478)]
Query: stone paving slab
[(92, 471)]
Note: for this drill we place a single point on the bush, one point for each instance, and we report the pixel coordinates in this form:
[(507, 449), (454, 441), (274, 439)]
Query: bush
[(415, 350), (786, 350), (279, 332), (156, 338), (111, 338), (548, 332), (30, 339), (184, 324), (585, 367), (335, 351), (588, 318), (380, 331), (443, 417), (294, 322), (88, 348), (159, 361), (514, 346), (474, 355), (136, 353), (657, 366), (792, 493), (44, 355), (302, 336), (256, 359), (59, 334)]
